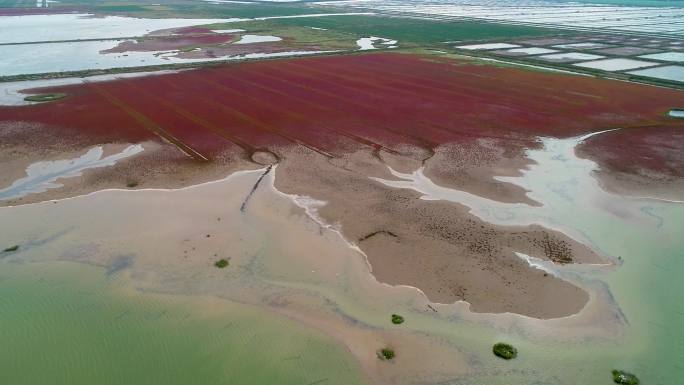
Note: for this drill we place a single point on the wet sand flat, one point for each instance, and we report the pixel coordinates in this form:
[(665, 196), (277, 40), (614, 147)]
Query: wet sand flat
[(168, 241), (332, 154), (285, 262)]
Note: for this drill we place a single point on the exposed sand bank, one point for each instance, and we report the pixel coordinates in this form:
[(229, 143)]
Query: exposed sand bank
[(654, 169), (160, 165), (167, 241), (471, 167), (437, 246)]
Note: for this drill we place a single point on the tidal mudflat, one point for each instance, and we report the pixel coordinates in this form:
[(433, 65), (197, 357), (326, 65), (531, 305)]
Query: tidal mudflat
[(481, 203), (285, 260)]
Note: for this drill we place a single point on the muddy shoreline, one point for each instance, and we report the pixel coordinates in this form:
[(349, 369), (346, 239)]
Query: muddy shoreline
[(437, 247)]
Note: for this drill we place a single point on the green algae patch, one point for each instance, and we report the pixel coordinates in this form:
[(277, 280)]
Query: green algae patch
[(386, 354), (11, 249), (397, 319), (221, 263), (624, 378), (504, 351), (44, 97)]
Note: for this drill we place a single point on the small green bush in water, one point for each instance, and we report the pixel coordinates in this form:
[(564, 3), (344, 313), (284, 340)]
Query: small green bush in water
[(504, 351), (44, 97), (221, 263), (397, 319), (387, 353), (11, 248), (624, 378)]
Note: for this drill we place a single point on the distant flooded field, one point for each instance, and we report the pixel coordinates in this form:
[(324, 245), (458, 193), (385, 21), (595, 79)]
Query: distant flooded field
[(58, 27), (619, 16)]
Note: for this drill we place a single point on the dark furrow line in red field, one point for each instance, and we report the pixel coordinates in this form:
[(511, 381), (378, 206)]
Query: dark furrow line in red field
[(448, 130), (259, 124), (329, 95), (429, 86), (363, 140), (194, 118), (449, 70), (190, 132), (458, 132), (428, 92), (144, 121), (407, 68), (523, 80), (525, 120), (250, 119), (295, 115), (485, 73), (365, 88), (333, 112), (254, 83)]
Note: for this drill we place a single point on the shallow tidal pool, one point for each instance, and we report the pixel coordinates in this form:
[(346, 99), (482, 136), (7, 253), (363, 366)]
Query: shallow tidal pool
[(68, 323)]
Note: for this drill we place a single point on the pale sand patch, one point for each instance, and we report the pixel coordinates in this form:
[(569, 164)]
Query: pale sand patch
[(437, 246), (646, 184), (167, 241), (472, 167)]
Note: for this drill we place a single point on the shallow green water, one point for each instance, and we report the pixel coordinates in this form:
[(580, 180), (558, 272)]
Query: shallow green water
[(647, 235), (65, 323), (80, 326)]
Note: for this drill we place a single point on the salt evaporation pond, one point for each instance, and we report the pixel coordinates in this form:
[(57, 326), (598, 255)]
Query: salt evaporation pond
[(34, 28), (531, 51), (665, 56), (676, 113), (368, 43), (584, 45), (563, 14), (84, 55), (251, 39), (616, 64), (569, 57), (673, 72), (488, 46)]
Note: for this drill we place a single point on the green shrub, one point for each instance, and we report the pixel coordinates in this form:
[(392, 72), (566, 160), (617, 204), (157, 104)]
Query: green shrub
[(624, 378), (11, 248), (504, 351), (397, 319), (221, 263), (44, 97), (387, 353)]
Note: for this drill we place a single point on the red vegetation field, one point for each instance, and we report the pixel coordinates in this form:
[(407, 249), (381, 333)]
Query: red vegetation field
[(337, 104)]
